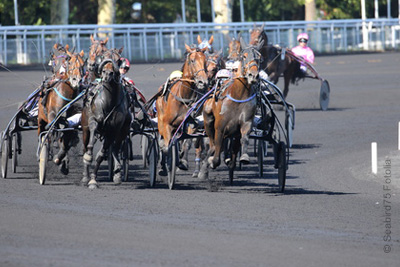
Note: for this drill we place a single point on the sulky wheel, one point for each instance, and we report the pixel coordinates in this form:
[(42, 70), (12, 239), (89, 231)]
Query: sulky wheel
[(145, 145), (324, 95), (152, 159), (282, 166), (172, 162), (43, 158), (260, 157), (14, 152), (5, 150), (289, 126)]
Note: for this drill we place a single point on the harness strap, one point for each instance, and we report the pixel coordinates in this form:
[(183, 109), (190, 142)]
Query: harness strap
[(241, 101), (60, 95)]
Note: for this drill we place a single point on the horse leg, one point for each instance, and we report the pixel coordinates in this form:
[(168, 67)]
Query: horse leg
[(287, 77), (199, 145), (215, 160), (88, 143), (245, 131), (203, 174), (99, 159), (183, 161), (163, 170)]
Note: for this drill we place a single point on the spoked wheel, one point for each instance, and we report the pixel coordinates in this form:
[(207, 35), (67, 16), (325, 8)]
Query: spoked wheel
[(110, 160), (5, 148), (260, 157), (43, 158), (172, 162), (324, 95), (14, 152), (152, 158), (145, 146), (289, 125), (125, 158), (282, 166)]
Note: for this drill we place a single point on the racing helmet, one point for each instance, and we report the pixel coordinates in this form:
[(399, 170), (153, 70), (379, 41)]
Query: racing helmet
[(302, 35), (223, 74), (124, 64), (176, 74)]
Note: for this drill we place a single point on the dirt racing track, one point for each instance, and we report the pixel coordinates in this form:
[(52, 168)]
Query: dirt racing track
[(334, 211)]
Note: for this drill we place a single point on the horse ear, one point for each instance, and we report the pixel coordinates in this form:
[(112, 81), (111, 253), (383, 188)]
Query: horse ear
[(91, 38), (66, 47), (263, 26), (242, 42), (120, 50), (199, 39), (105, 41), (82, 53), (211, 40), (188, 49)]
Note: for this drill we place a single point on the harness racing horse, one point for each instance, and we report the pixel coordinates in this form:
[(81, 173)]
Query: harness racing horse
[(63, 89), (215, 62), (105, 115), (173, 104), (275, 61), (230, 113), (97, 48)]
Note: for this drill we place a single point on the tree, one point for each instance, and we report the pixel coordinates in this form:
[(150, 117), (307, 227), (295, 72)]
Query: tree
[(59, 12)]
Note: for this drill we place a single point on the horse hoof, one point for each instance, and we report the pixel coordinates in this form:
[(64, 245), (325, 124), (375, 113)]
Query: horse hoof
[(93, 186), (117, 179), (64, 168), (183, 165), (227, 161), (162, 172), (195, 174), (245, 159), (59, 157), (87, 159), (203, 175)]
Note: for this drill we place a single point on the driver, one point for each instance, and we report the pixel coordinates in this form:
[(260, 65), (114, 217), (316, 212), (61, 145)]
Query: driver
[(304, 51)]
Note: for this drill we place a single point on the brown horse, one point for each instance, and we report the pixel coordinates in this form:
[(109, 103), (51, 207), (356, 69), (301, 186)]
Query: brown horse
[(105, 114), (173, 105), (215, 62), (97, 48), (230, 113), (233, 59), (64, 88), (275, 61)]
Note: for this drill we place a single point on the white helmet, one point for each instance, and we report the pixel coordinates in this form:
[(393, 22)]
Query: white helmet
[(223, 74)]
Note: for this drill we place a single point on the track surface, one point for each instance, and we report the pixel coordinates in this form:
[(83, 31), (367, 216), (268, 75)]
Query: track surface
[(332, 213)]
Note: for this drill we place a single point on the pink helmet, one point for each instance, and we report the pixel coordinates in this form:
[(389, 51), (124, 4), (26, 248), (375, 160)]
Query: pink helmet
[(302, 35)]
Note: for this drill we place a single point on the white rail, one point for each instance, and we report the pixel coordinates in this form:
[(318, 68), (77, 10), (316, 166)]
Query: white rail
[(154, 42)]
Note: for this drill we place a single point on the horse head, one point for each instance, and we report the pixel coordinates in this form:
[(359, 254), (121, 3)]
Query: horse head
[(204, 43), (215, 62), (59, 60), (251, 58), (195, 66), (234, 49), (108, 65), (75, 71), (257, 35), (97, 48)]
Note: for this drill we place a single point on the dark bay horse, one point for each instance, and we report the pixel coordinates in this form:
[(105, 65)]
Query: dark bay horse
[(275, 61), (173, 105), (230, 113), (64, 87), (106, 115)]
